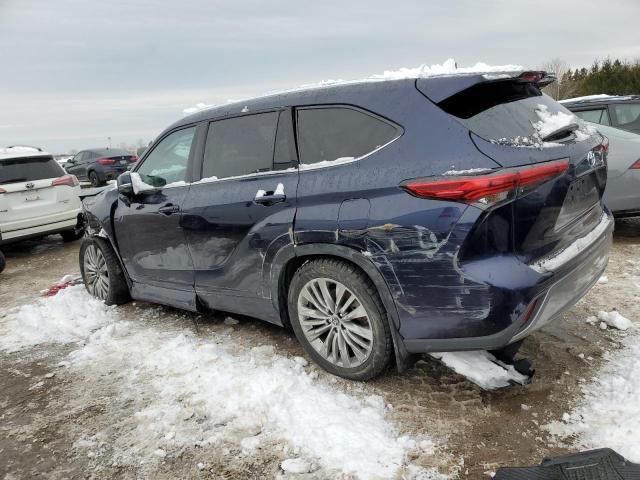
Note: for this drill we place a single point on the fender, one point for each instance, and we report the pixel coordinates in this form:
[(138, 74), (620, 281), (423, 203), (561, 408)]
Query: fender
[(289, 252), (97, 211)]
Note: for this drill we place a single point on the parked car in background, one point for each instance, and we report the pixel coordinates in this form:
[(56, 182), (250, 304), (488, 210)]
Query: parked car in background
[(100, 164), (375, 218), (622, 194), (62, 159), (37, 197), (609, 110)]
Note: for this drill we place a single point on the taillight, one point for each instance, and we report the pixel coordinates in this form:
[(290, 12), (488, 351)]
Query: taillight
[(636, 166), (106, 161), (133, 159), (488, 189), (605, 144), (67, 180), (2, 190)]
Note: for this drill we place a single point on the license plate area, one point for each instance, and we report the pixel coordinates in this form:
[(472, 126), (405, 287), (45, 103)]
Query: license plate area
[(582, 195)]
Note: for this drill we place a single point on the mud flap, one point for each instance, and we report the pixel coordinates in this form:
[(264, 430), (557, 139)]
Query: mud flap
[(601, 464)]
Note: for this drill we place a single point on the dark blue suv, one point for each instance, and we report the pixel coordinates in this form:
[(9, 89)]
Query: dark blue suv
[(376, 219)]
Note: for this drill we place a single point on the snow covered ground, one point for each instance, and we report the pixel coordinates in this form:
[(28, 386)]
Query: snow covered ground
[(192, 392), (608, 414)]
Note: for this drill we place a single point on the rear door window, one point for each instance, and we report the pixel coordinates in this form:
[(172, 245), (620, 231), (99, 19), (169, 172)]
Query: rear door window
[(334, 133), (16, 170), (240, 146), (600, 116)]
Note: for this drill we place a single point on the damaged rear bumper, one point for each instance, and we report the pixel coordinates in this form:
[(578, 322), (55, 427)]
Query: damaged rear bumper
[(522, 298)]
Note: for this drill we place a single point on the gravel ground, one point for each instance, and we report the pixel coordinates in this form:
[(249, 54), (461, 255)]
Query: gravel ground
[(42, 423)]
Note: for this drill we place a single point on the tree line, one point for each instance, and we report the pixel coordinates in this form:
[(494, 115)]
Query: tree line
[(613, 77)]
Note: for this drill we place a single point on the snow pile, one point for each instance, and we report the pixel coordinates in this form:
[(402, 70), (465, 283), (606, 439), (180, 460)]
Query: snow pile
[(552, 122), (189, 391), (449, 67), (252, 398), (69, 316), (481, 368), (549, 264), (140, 185), (197, 108), (615, 320), (609, 413)]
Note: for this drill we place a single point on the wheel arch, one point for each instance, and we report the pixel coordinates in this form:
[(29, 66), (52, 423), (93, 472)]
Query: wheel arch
[(290, 259)]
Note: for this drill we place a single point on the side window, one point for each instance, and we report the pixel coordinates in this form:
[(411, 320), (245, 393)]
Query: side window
[(627, 113), (78, 158), (600, 116), (167, 162), (284, 154), (240, 146), (327, 134)]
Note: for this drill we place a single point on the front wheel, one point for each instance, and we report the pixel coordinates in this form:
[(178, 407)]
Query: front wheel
[(338, 318), (101, 272)]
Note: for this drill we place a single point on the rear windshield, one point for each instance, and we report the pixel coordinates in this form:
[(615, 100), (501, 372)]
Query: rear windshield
[(16, 170), (514, 113)]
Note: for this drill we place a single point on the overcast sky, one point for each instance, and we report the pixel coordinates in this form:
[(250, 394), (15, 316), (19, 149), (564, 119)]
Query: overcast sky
[(74, 72)]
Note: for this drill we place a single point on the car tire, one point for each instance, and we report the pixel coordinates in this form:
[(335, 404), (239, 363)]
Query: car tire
[(95, 181), (338, 317), (3, 262), (101, 271), (72, 235)]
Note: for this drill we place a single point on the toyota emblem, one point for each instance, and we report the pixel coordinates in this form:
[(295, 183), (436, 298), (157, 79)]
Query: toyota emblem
[(29, 185)]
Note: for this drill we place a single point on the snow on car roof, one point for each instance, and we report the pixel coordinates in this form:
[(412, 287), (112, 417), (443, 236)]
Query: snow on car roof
[(21, 152), (448, 68)]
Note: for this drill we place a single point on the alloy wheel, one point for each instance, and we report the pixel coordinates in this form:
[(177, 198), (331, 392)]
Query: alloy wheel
[(96, 272), (335, 322)]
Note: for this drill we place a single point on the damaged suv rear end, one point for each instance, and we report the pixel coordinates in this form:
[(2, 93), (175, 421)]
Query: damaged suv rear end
[(534, 236)]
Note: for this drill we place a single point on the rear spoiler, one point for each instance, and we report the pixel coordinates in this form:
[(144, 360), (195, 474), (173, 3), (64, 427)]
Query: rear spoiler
[(439, 88)]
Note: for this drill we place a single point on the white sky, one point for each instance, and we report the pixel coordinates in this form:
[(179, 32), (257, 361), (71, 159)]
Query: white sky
[(73, 72)]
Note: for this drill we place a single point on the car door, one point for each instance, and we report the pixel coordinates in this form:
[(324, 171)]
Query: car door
[(74, 167), (241, 211), (147, 223)]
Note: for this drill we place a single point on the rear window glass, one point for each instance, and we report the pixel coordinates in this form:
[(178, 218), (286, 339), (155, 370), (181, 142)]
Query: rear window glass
[(111, 152), (513, 113), (16, 170), (328, 134)]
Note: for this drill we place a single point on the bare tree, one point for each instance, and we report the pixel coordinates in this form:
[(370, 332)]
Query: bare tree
[(559, 68)]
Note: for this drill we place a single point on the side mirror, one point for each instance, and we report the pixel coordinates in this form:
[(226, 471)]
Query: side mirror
[(125, 187)]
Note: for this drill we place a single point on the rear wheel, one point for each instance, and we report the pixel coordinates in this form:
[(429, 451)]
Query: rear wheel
[(95, 181), (3, 263), (101, 272), (338, 318)]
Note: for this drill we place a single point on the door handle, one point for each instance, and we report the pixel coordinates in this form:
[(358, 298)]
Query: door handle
[(169, 209), (270, 199)]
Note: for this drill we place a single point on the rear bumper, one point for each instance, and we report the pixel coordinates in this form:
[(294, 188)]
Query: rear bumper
[(43, 226), (511, 288)]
